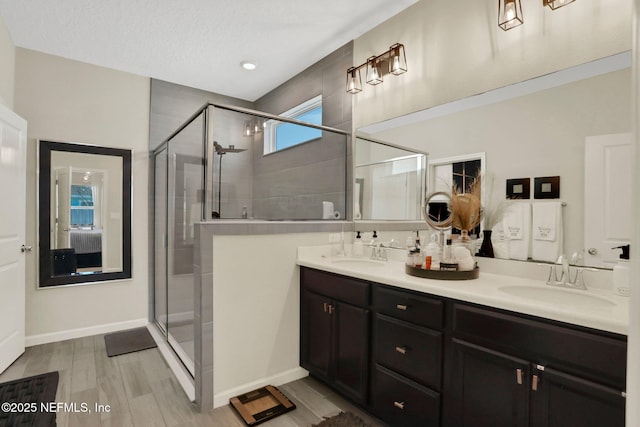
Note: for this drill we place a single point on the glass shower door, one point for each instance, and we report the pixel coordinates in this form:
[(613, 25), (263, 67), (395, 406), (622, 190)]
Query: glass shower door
[(186, 176), (160, 239)]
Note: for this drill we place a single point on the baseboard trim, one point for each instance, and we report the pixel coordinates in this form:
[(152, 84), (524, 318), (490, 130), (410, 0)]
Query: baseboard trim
[(222, 398), (32, 340)]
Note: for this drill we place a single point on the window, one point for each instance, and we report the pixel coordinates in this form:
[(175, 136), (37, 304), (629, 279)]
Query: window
[(281, 135), (82, 205), (458, 171)]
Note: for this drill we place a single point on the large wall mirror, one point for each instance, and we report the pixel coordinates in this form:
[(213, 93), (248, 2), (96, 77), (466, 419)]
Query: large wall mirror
[(545, 127), (389, 181), (84, 223)]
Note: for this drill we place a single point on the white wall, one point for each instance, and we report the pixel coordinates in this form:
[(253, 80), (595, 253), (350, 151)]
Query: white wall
[(7, 66), (455, 49), (256, 306), (65, 100)]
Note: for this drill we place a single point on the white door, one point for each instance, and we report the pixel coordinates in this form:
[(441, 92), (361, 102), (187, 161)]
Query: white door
[(63, 208), (609, 165), (13, 156)]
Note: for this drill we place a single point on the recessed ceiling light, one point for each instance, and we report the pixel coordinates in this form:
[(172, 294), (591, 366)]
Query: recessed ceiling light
[(248, 65)]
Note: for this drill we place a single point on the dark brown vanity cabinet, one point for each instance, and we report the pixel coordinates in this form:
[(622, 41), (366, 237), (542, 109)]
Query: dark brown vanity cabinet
[(447, 363), (407, 357), (334, 331), (513, 370)]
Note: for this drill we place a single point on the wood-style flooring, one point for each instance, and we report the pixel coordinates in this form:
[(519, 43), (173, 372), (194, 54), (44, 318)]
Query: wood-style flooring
[(142, 391)]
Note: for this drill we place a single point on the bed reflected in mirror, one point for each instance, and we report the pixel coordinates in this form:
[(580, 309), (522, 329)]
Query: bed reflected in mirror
[(84, 215)]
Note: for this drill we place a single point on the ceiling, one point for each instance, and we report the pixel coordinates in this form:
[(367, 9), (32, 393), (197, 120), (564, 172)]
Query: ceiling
[(197, 43)]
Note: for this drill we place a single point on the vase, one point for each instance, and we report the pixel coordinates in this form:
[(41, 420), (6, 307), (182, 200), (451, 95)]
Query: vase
[(486, 249)]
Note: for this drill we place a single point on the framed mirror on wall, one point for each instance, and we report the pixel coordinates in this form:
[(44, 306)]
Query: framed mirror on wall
[(84, 219)]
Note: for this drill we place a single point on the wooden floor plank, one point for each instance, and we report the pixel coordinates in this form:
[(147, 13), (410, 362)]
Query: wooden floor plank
[(142, 391), (111, 392), (174, 404), (136, 381), (145, 411), (77, 417), (302, 393)]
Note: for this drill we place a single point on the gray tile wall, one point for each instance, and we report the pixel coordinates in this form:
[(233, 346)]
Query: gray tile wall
[(172, 105), (293, 183)]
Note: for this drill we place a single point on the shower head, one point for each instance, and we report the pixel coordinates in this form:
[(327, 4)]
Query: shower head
[(230, 149)]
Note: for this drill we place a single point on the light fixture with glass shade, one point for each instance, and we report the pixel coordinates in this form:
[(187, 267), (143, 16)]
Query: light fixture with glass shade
[(555, 4), (253, 127), (510, 11), (393, 61), (354, 80), (374, 76), (509, 14), (398, 61)]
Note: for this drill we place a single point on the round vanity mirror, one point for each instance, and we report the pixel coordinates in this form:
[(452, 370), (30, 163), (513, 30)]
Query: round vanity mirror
[(436, 210)]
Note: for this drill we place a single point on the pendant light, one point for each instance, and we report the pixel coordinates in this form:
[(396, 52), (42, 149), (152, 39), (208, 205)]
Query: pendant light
[(509, 14)]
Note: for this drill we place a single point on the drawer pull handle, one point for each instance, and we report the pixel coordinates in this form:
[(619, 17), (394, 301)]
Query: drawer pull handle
[(401, 350), (519, 376), (534, 383), (324, 306), (399, 405), (401, 307)]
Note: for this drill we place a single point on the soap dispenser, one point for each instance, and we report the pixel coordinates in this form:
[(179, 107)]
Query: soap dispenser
[(358, 247), (621, 276)]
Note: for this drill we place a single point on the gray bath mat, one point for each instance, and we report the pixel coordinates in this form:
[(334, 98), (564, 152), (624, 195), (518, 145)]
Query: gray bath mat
[(343, 419), (129, 341), (28, 395)]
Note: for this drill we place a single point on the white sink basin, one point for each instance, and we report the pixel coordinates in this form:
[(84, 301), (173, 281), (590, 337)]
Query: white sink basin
[(557, 296), (358, 262)]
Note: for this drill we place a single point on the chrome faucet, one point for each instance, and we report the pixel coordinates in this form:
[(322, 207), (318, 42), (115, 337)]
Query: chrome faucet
[(379, 252), (565, 280)]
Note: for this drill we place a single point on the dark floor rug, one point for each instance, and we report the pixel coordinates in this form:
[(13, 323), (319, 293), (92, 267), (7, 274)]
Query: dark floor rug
[(21, 401), (343, 419), (129, 341)]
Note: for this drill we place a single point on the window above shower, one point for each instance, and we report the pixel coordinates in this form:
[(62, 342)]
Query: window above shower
[(279, 135)]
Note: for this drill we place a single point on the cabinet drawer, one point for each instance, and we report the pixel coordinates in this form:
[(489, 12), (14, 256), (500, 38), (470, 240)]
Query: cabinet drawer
[(403, 403), (346, 289), (414, 308), (600, 357), (413, 351)]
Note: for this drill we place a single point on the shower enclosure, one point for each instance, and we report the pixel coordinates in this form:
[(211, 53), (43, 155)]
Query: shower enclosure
[(224, 164)]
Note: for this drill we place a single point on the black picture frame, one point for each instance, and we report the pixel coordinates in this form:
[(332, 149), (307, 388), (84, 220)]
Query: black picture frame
[(47, 277), (546, 187), (518, 188)]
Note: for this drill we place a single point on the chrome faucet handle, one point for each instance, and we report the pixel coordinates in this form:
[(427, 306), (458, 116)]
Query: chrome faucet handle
[(553, 276), (564, 262)]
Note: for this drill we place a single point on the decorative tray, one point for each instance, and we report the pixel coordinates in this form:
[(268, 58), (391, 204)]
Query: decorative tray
[(442, 275)]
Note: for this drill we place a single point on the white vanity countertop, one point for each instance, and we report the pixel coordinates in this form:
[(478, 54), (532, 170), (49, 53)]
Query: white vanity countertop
[(611, 316)]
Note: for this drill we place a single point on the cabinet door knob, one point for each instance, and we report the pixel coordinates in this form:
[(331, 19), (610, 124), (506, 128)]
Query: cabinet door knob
[(401, 307), (401, 350), (519, 376), (399, 405), (25, 248)]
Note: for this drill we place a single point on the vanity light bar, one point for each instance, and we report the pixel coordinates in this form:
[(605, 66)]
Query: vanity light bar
[(393, 61)]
